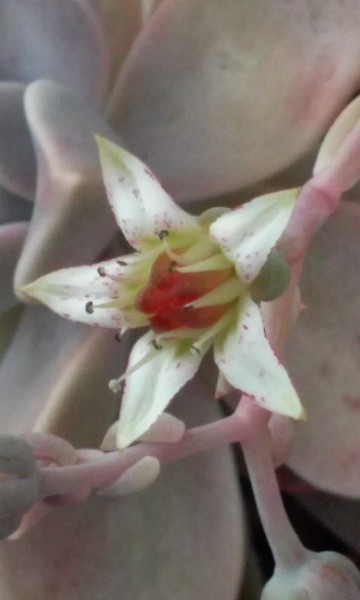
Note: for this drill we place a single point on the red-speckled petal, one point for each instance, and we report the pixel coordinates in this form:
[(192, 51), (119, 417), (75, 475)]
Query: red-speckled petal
[(249, 364)]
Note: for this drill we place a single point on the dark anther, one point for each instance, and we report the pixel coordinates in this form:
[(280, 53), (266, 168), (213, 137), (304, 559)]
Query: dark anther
[(122, 263), (172, 265), (188, 307), (117, 336), (89, 307), (101, 271), (156, 345), (163, 234), (195, 349)]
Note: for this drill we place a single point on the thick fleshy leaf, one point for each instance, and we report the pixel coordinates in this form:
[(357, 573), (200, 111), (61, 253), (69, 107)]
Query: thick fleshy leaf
[(337, 133), (247, 361), (78, 294), (63, 41), (55, 376), (13, 208), (181, 538), (72, 222), (17, 156), (141, 206), (9, 320), (153, 385), (123, 22), (248, 234), (148, 7), (213, 97), (11, 241), (323, 359)]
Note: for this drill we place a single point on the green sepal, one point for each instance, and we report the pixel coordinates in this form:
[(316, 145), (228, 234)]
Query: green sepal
[(272, 280)]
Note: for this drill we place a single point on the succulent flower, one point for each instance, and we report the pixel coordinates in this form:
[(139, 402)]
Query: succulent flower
[(189, 282), (215, 101)]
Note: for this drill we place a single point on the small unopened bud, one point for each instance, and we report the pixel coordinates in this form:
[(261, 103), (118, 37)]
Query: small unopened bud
[(18, 485), (324, 576), (272, 280)]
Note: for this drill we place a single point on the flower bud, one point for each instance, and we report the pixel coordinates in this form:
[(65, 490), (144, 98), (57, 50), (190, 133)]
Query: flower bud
[(324, 576), (272, 280)]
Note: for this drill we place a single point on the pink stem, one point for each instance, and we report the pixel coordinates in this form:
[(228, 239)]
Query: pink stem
[(317, 201), (105, 470), (284, 542)]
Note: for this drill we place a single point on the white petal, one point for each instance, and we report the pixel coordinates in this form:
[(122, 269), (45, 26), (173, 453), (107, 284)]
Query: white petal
[(17, 156), (149, 390), (67, 292), (249, 364), (140, 204), (248, 234)]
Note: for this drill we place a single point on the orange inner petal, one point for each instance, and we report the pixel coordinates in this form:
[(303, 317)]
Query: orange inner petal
[(168, 291)]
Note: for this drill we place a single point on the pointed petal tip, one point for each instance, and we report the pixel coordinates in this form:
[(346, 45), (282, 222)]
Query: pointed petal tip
[(124, 439), (303, 416), (296, 410), (101, 141), (30, 290), (110, 151)]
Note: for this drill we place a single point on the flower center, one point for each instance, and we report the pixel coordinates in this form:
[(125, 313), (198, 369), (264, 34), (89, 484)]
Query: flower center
[(188, 296)]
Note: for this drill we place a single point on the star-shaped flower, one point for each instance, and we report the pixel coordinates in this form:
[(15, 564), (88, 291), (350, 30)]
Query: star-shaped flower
[(191, 281)]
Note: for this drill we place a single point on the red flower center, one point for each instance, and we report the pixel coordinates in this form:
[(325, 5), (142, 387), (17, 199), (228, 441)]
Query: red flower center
[(169, 293)]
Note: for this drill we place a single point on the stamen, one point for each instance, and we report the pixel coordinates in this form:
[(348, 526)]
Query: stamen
[(101, 271), (122, 263), (156, 344), (224, 293), (89, 308), (163, 234), (181, 333), (202, 249), (117, 336), (121, 302), (194, 349), (115, 384), (210, 333), (175, 258), (217, 262)]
